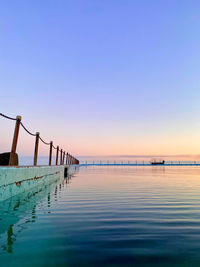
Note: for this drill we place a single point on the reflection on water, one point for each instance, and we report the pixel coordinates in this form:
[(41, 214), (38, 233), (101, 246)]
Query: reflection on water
[(106, 216), (17, 212)]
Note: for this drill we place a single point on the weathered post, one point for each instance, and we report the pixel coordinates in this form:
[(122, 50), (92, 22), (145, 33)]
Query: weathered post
[(61, 157), (50, 153), (66, 159), (14, 143), (63, 161), (36, 148), (57, 152)]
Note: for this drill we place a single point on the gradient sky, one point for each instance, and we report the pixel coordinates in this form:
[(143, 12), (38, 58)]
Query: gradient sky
[(102, 77)]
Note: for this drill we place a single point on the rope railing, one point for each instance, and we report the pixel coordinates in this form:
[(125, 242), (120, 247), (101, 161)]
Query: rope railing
[(65, 157), (27, 129), (1, 114), (44, 142)]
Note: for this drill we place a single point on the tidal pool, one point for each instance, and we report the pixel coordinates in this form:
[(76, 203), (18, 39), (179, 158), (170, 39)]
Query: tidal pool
[(106, 216)]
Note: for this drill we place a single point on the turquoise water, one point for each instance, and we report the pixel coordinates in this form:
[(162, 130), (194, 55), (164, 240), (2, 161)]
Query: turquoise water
[(106, 216)]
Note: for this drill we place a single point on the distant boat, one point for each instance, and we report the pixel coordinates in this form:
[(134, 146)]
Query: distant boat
[(157, 162)]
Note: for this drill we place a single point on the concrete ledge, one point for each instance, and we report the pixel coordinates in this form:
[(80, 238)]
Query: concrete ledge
[(16, 180)]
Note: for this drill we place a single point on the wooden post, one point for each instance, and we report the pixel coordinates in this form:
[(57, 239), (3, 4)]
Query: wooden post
[(50, 153), (63, 161), (66, 158), (14, 143), (57, 152), (61, 157), (36, 148)]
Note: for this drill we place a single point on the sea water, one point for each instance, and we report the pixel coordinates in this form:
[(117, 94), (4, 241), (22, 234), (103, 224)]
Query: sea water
[(106, 216)]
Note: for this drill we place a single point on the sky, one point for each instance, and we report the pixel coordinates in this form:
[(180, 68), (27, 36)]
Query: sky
[(102, 77)]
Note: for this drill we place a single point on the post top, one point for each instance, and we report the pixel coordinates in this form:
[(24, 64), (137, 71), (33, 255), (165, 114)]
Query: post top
[(37, 133), (19, 118)]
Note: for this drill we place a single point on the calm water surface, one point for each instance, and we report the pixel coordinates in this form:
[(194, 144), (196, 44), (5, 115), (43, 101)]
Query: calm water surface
[(106, 216)]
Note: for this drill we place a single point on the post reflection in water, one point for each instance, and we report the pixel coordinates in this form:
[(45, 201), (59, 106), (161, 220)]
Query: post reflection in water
[(16, 213), (108, 216), (10, 238), (49, 200)]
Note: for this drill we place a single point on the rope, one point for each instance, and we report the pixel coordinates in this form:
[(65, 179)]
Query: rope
[(27, 130), (44, 141), (14, 119), (1, 114), (33, 134)]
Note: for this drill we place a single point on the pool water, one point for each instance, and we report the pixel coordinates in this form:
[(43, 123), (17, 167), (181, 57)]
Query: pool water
[(106, 216)]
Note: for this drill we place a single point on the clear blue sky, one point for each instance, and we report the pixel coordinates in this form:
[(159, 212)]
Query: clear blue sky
[(103, 77)]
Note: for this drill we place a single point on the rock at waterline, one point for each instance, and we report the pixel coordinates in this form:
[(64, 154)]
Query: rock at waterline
[(5, 157)]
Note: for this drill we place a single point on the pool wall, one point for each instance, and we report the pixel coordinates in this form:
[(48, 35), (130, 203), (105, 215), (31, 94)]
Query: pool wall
[(16, 180)]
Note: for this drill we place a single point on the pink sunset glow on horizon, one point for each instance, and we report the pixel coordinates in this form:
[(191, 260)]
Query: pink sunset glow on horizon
[(99, 84)]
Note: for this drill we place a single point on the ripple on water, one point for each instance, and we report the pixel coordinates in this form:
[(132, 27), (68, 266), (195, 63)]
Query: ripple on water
[(107, 216)]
